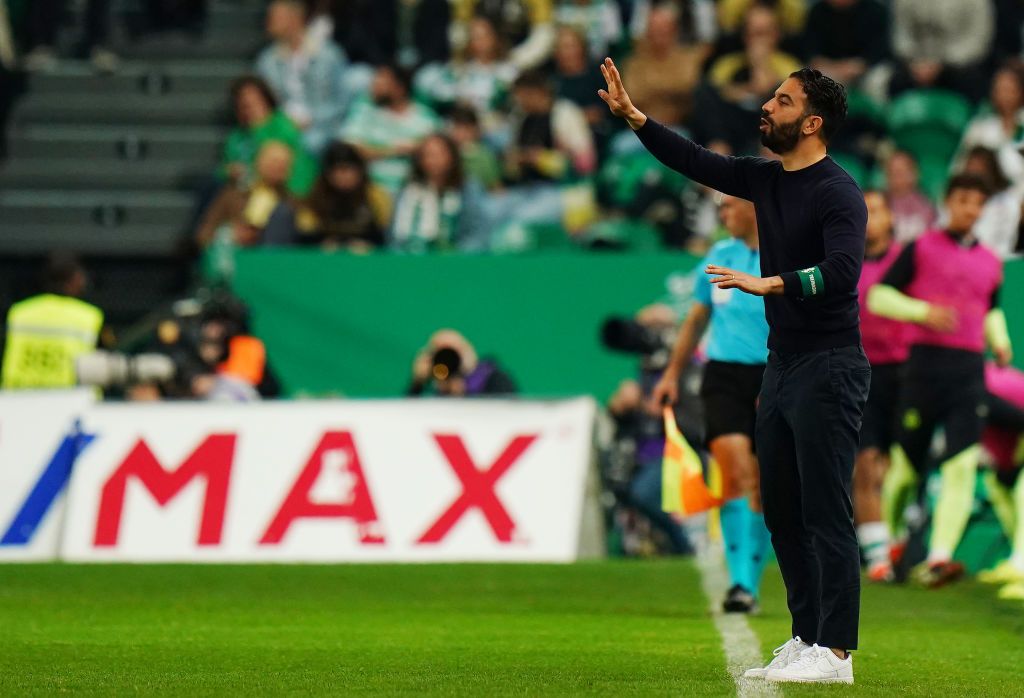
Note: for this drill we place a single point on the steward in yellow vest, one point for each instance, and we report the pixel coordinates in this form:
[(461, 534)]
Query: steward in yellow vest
[(46, 333)]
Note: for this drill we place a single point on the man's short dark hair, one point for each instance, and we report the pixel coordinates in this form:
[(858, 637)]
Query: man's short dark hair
[(61, 269), (464, 115), (403, 76), (825, 98), (532, 79), (970, 182)]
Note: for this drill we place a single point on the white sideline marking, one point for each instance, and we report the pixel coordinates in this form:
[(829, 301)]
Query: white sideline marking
[(742, 648)]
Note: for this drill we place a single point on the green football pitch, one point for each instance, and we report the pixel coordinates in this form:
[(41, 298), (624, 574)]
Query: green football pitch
[(607, 628)]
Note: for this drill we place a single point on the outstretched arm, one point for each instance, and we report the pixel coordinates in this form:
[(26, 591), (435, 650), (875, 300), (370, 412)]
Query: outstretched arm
[(725, 174)]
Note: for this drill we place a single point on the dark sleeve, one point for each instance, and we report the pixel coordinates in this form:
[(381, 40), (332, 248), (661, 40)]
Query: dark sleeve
[(500, 383), (813, 30), (843, 218), (994, 302), (901, 273), (720, 172), (876, 45)]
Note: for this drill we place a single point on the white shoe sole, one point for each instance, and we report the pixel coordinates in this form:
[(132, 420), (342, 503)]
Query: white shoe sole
[(780, 679)]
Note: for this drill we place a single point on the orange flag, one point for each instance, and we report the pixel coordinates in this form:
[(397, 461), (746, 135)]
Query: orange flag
[(683, 489)]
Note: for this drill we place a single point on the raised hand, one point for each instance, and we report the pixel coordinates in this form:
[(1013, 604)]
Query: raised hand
[(616, 98)]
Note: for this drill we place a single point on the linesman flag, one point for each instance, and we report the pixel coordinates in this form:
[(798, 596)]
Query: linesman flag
[(683, 489)]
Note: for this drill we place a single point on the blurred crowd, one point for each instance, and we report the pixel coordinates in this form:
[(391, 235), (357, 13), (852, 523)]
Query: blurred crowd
[(475, 125)]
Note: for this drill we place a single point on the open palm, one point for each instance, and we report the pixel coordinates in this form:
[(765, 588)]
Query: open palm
[(615, 96)]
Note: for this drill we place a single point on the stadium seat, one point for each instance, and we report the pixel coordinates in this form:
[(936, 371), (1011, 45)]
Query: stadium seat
[(853, 167), (929, 125)]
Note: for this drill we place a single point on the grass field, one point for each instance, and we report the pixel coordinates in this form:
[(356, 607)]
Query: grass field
[(609, 628)]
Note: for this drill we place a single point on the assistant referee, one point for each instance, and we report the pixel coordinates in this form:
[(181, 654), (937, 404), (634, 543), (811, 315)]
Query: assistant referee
[(811, 217)]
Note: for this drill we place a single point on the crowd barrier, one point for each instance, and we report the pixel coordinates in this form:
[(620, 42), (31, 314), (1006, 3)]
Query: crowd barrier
[(302, 481)]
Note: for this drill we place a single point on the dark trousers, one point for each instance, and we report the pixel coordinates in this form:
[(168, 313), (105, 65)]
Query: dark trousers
[(808, 421), (44, 19)]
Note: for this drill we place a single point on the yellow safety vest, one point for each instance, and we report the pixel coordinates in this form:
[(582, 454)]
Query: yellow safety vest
[(45, 334)]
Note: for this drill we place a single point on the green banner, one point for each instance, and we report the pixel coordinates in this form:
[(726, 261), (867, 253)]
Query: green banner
[(350, 325)]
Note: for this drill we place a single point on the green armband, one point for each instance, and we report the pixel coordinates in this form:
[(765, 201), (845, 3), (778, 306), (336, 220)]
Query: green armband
[(887, 301), (811, 282), (996, 332)]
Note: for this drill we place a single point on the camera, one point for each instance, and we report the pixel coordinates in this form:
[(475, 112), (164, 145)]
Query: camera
[(626, 335), (172, 349)]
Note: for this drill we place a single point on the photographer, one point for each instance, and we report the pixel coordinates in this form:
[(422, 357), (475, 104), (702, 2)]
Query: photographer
[(631, 462), (203, 351), (448, 366)]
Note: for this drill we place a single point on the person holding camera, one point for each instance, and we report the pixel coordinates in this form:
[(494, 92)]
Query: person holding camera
[(449, 367), (736, 352)]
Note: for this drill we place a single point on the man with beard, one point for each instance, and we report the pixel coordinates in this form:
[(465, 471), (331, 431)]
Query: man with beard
[(389, 127), (811, 218)]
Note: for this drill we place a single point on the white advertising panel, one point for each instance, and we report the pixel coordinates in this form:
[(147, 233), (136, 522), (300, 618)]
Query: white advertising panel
[(418, 480), (38, 444)]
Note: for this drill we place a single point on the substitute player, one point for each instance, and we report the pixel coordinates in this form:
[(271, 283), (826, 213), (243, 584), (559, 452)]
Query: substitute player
[(948, 284), (811, 220), (886, 343), (732, 378)]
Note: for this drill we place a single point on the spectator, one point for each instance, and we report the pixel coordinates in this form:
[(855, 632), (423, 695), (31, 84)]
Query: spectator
[(47, 332), (410, 33), (43, 24), (306, 72), (449, 366), (599, 21), (1003, 129), (237, 217), (478, 160), (527, 26), (550, 140), (844, 38), (387, 128), (663, 73), (912, 212), (344, 211), (259, 121), (998, 228), (481, 80), (698, 25), (790, 14), (439, 209), (941, 43), (575, 77), (739, 83)]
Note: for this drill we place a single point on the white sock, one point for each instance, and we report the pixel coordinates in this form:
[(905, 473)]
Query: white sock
[(874, 541), (936, 555)]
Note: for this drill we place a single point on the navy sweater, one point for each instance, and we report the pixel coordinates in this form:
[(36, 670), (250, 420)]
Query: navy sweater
[(811, 226)]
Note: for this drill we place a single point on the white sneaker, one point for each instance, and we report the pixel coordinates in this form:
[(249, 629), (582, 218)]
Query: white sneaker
[(815, 665), (784, 655)]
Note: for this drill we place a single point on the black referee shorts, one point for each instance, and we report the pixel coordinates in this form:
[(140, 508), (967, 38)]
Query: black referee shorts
[(881, 413), (729, 392)]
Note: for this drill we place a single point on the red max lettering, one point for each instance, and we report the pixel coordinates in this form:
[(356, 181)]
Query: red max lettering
[(477, 487), (210, 460), (298, 505)]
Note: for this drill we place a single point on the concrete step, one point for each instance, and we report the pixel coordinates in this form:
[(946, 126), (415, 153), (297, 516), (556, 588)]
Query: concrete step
[(207, 109), (196, 144), (142, 77), (136, 240), (94, 209), (79, 175)]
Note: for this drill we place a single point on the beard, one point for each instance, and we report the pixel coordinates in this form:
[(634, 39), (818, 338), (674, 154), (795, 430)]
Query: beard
[(383, 100), (781, 138)]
